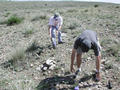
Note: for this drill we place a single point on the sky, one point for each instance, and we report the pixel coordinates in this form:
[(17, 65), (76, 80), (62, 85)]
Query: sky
[(111, 1)]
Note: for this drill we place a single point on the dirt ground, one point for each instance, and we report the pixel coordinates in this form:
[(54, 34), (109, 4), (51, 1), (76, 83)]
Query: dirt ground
[(30, 45)]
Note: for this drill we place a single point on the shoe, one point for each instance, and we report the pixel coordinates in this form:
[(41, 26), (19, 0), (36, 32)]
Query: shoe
[(54, 47), (97, 77), (79, 70), (60, 42)]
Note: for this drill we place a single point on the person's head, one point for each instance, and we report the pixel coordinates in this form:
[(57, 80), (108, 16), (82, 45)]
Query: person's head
[(86, 45), (56, 15)]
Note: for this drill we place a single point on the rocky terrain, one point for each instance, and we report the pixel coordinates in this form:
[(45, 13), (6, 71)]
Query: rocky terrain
[(27, 60)]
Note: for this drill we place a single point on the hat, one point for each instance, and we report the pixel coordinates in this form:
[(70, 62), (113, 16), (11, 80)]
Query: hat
[(56, 15)]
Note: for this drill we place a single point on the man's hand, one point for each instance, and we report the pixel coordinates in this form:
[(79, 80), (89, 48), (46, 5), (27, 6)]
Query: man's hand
[(98, 77), (72, 69)]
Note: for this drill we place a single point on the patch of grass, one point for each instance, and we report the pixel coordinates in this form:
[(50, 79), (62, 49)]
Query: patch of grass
[(14, 20), (2, 22), (73, 26), (37, 18), (109, 66), (7, 14), (72, 10), (96, 5), (114, 50), (118, 58), (16, 59), (18, 54), (4, 82), (28, 32), (32, 47), (22, 84), (117, 7), (86, 10)]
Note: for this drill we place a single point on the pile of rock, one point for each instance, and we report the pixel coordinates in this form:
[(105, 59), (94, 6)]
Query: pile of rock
[(49, 64)]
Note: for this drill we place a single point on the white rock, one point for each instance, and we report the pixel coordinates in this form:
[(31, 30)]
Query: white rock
[(89, 89), (52, 67), (89, 58), (49, 72), (63, 34), (45, 68), (31, 65), (36, 78), (50, 62), (38, 68)]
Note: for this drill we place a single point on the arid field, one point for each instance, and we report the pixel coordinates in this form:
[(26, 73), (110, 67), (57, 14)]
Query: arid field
[(25, 46)]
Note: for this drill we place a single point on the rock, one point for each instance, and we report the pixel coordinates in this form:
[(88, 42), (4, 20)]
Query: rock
[(89, 58), (63, 34), (89, 89), (80, 85), (52, 67), (103, 61), (40, 66), (85, 84), (50, 62), (49, 72), (38, 69), (36, 78), (99, 86), (31, 65), (44, 68)]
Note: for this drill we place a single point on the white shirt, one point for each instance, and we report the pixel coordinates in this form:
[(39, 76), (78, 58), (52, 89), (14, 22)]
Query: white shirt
[(55, 22)]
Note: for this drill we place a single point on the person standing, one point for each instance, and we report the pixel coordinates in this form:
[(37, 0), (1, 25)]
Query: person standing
[(55, 24), (86, 41)]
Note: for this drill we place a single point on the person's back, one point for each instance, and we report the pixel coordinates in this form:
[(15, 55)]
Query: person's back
[(87, 40), (90, 35)]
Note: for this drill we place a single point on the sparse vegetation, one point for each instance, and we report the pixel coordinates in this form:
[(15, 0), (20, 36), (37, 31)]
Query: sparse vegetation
[(14, 20), (109, 66), (73, 26), (37, 18), (7, 14), (114, 50), (32, 47), (28, 32), (96, 5), (22, 70)]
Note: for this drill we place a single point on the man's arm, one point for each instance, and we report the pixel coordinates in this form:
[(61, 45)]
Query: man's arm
[(98, 62), (60, 23), (49, 30), (72, 60)]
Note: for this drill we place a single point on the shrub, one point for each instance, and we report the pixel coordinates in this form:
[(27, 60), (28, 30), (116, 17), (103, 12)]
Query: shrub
[(108, 66), (28, 32), (73, 26), (39, 17), (86, 10), (114, 49), (32, 47), (117, 6), (16, 59), (14, 20), (72, 10), (96, 5), (7, 14)]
